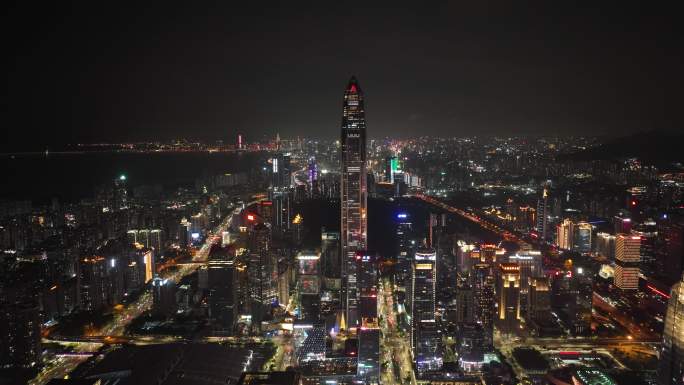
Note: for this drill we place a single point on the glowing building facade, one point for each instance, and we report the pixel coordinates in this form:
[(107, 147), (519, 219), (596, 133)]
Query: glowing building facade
[(671, 363), (353, 191), (627, 258), (509, 297)]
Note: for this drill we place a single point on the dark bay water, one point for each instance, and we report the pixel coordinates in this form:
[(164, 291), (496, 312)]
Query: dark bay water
[(73, 176)]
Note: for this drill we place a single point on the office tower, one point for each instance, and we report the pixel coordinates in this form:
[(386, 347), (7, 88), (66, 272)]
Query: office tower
[(483, 288), (406, 248), (564, 231), (281, 172), (163, 297), (20, 337), (309, 278), (240, 142), (627, 257), (671, 363), (222, 283), (428, 351), (605, 246), (282, 210), (353, 190), (581, 237), (423, 290), (543, 212), (539, 303), (508, 293)]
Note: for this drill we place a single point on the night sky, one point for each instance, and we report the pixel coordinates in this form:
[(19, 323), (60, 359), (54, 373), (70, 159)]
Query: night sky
[(106, 72)]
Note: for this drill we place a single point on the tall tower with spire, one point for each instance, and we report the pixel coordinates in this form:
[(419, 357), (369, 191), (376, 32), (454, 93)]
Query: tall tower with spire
[(353, 191)]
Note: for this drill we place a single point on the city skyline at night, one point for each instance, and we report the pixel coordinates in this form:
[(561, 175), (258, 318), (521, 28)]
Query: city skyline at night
[(499, 201)]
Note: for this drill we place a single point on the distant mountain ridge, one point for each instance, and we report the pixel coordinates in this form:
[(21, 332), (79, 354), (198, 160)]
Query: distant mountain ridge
[(651, 146)]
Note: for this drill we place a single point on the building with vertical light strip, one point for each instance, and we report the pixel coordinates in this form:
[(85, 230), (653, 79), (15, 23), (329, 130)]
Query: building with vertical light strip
[(353, 192), (543, 214), (627, 258)]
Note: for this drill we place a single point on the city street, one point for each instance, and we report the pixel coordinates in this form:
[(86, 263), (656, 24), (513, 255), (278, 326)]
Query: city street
[(395, 348)]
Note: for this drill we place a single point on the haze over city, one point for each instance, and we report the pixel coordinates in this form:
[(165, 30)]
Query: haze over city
[(92, 72)]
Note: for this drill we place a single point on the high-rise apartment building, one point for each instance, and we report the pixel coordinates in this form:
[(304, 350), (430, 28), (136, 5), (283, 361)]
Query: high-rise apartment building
[(20, 337), (353, 190), (543, 212)]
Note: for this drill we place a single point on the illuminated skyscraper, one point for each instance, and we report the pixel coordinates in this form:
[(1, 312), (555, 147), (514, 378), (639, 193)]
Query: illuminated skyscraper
[(627, 258), (582, 237), (564, 232), (353, 190), (508, 293), (423, 291), (281, 172), (543, 213), (483, 290), (671, 363)]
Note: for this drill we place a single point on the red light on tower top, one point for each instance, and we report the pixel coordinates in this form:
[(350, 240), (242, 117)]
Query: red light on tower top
[(352, 88)]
